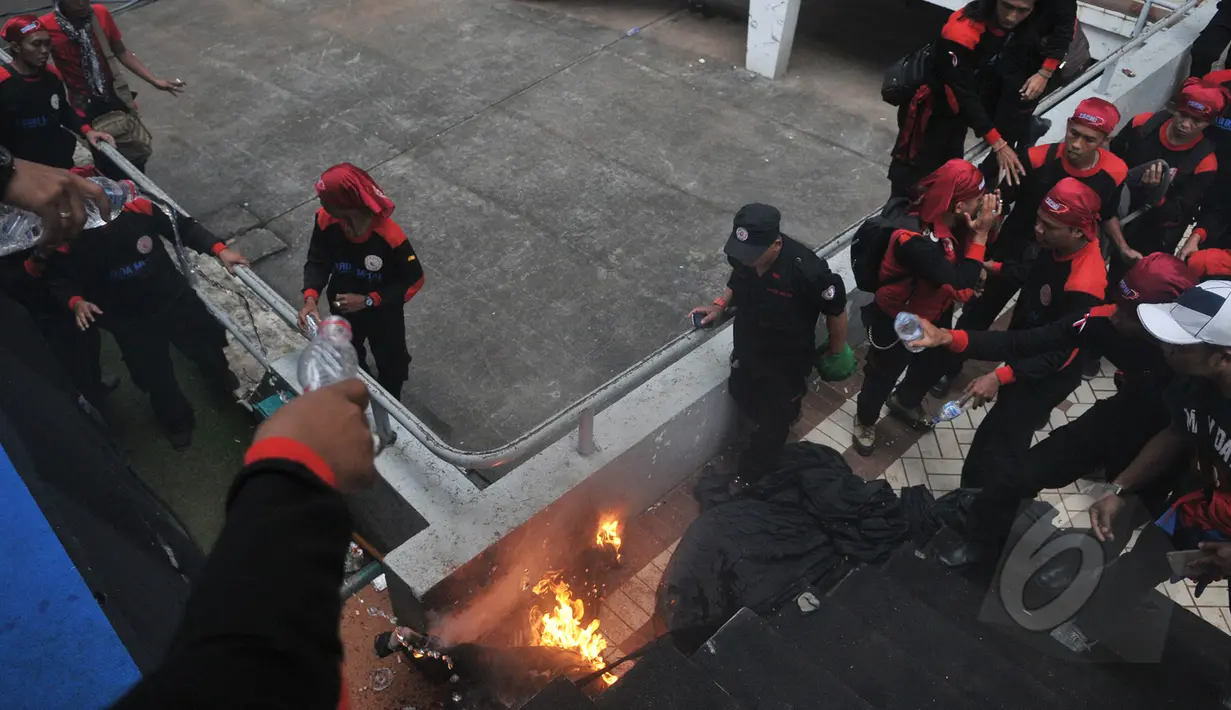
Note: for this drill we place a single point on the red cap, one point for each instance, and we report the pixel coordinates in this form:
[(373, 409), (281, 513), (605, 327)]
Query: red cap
[(955, 181), (1157, 278), (1099, 114), (18, 27), (349, 187), (1201, 100), (1073, 204)]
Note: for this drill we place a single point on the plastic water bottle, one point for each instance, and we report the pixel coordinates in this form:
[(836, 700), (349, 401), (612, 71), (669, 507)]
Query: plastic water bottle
[(21, 230), (330, 357), (949, 411), (908, 329)]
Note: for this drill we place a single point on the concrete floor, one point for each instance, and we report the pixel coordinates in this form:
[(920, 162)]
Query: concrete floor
[(567, 186)]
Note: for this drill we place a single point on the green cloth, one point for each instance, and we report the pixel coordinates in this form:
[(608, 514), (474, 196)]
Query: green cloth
[(837, 366)]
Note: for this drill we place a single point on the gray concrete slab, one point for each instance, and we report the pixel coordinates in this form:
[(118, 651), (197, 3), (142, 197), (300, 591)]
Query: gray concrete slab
[(568, 186)]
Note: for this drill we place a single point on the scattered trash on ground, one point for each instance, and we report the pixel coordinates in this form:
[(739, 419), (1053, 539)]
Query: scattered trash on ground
[(382, 678), (808, 602), (380, 583)]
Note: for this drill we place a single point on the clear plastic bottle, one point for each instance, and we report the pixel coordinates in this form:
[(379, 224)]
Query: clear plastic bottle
[(949, 410), (20, 229), (330, 357), (908, 329)]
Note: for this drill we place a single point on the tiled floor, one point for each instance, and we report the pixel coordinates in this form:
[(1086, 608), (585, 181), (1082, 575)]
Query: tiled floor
[(935, 460), (903, 456)]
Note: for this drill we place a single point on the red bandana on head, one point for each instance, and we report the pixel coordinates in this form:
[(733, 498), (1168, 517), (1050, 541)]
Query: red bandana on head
[(1073, 204), (350, 188), (1157, 278), (955, 181), (1201, 100), (1099, 114), (18, 27)]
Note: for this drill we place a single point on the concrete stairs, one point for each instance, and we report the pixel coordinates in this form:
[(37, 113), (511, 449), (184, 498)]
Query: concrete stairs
[(904, 636)]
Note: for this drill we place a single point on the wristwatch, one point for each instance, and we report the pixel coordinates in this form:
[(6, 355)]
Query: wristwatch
[(369, 302), (7, 168), (1117, 489)]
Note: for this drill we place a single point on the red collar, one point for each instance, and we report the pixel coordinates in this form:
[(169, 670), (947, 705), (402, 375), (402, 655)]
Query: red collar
[(1162, 136), (1077, 172)]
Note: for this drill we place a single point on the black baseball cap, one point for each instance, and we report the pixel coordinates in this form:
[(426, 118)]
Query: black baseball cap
[(756, 228)]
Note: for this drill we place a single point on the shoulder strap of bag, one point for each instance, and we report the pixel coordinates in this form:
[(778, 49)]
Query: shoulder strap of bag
[(1053, 151), (119, 81)]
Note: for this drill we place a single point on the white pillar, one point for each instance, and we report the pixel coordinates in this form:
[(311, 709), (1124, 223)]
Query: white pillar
[(771, 32)]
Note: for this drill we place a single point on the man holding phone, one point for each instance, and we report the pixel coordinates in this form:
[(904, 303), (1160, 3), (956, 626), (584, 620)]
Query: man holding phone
[(778, 289)]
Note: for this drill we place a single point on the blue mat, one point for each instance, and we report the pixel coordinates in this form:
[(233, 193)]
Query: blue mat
[(57, 649)]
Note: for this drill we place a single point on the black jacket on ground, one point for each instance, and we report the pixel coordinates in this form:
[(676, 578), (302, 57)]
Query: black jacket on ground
[(261, 625)]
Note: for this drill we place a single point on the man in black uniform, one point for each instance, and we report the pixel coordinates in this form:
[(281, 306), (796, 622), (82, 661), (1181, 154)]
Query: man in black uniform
[(1109, 435), (778, 288), (368, 266), (1068, 278), (34, 109), (122, 275)]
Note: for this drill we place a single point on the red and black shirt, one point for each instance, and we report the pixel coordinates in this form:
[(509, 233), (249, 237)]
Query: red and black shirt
[(1047, 165), (1139, 358), (964, 64), (1144, 141), (123, 267), (381, 264), (922, 273), (34, 111), (67, 55), (1054, 288)]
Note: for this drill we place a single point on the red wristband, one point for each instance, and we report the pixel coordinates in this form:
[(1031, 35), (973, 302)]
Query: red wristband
[(1004, 373), (217, 248), (961, 341), (720, 302), (312, 294), (287, 449)]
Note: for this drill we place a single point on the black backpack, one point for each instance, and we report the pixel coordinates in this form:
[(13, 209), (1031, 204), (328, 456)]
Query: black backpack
[(904, 78), (871, 241)]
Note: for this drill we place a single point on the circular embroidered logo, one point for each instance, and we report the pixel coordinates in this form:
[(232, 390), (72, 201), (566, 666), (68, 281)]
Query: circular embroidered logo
[(55, 102), (741, 234), (1045, 295), (371, 262), (145, 245)]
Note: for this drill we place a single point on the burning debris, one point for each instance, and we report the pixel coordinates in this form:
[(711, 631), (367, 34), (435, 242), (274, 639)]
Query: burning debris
[(565, 626)]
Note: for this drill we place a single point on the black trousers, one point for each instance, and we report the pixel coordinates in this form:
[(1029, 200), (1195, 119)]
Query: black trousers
[(383, 330), (770, 394), (943, 139), (1004, 436), (1106, 438), (145, 346), (1212, 41), (884, 365), (77, 350)]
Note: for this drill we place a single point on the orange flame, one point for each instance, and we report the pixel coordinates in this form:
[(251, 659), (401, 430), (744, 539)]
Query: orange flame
[(609, 536), (565, 626)]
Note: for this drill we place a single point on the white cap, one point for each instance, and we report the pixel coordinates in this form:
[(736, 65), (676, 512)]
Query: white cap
[(1202, 314)]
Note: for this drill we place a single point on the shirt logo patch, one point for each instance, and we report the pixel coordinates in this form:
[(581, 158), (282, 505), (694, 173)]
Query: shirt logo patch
[(741, 234), (829, 293), (373, 262), (145, 245), (55, 102), (1045, 295)]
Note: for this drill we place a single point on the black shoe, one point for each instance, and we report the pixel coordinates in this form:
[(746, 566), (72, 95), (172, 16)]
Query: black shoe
[(180, 440), (942, 387), (229, 382), (914, 416), (1091, 369), (964, 554)]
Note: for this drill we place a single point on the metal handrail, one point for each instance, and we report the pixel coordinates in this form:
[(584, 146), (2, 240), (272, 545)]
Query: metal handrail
[(579, 415)]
